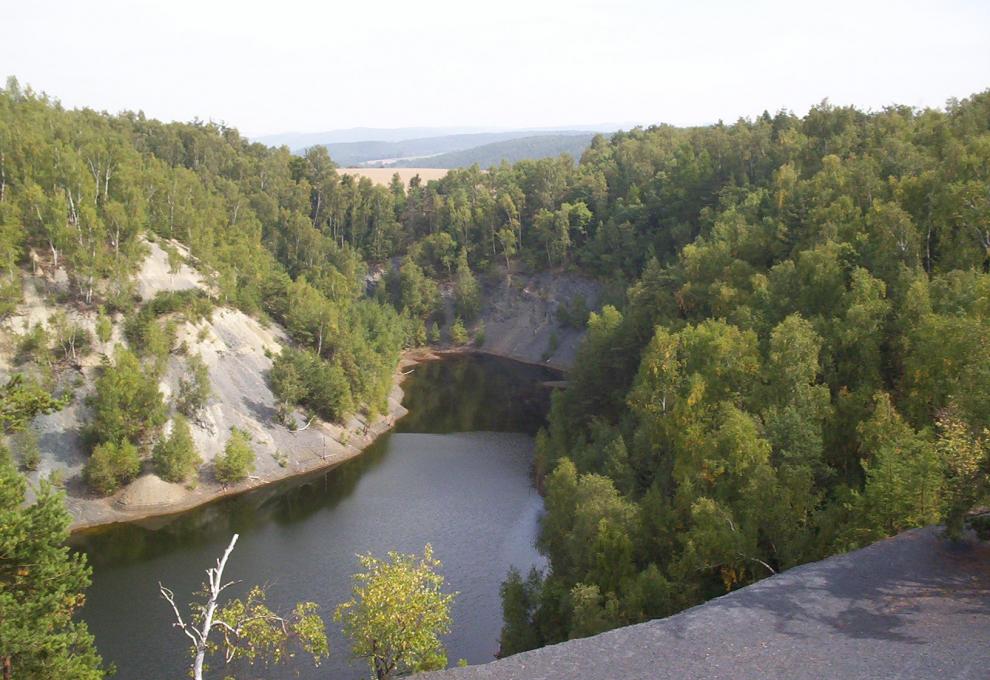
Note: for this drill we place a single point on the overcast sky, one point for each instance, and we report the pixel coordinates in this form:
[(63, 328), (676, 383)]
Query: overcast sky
[(308, 65)]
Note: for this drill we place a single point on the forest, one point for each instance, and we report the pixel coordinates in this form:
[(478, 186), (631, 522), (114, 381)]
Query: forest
[(792, 361)]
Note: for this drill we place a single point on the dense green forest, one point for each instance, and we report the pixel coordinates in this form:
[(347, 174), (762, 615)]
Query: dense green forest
[(798, 365)]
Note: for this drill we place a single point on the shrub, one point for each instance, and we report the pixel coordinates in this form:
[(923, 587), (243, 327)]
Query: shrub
[(479, 335), (25, 444), (458, 334), (237, 460), (175, 457), (126, 402), (104, 327), (194, 390), (301, 377), (434, 334), (110, 466)]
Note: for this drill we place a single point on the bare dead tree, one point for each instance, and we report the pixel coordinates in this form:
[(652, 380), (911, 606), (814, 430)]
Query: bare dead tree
[(199, 635)]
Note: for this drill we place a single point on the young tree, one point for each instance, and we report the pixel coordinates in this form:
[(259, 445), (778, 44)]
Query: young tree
[(126, 403), (520, 601), (175, 457), (237, 460), (245, 629), (397, 614), (194, 390), (111, 465), (467, 296), (41, 580), (458, 333)]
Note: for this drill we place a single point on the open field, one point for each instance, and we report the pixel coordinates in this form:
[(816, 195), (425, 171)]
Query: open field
[(384, 175)]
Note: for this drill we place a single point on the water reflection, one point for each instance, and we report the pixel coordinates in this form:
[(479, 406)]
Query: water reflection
[(468, 494)]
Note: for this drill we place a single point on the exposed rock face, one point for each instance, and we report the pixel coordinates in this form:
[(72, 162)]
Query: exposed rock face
[(913, 606), (522, 315), (237, 350)]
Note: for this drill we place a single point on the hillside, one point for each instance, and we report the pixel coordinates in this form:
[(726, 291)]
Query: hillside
[(238, 352), (509, 151), (913, 606)]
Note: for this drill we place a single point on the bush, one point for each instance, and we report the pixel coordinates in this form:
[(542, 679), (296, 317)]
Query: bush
[(104, 327), (575, 314), (175, 457), (479, 335), (237, 460), (26, 447), (301, 377), (110, 466), (195, 390), (434, 334), (126, 403), (458, 334)]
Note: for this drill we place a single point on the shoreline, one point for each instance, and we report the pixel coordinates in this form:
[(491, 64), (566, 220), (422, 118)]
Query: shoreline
[(205, 494)]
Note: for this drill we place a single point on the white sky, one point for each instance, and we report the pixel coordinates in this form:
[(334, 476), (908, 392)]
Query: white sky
[(306, 65)]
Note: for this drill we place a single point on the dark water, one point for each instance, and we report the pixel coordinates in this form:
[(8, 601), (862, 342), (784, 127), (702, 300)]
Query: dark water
[(454, 474)]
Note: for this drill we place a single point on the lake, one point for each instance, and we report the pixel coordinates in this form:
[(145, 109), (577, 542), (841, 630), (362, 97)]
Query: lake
[(455, 473)]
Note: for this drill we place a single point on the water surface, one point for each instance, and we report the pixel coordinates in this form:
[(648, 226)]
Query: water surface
[(456, 474)]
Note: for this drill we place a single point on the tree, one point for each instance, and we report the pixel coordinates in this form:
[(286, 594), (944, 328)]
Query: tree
[(237, 460), (42, 581), (175, 457), (520, 601), (467, 296), (21, 400), (245, 629), (458, 333), (111, 465), (126, 403), (194, 388), (397, 614)]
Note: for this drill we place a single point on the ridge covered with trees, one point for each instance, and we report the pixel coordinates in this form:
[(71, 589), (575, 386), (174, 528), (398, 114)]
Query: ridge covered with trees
[(797, 366)]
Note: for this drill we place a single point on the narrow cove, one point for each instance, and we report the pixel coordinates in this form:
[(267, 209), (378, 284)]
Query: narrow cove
[(455, 473)]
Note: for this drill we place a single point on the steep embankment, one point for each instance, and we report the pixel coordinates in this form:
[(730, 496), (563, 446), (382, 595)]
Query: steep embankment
[(912, 606), (521, 315), (523, 320), (237, 350)]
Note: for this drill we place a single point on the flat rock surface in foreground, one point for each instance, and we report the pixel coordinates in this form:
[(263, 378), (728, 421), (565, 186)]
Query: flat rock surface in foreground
[(913, 606)]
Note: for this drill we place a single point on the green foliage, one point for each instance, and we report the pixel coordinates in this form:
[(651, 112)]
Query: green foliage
[(237, 460), (573, 314), (301, 377), (195, 388), (796, 370), (104, 327), (397, 614), (111, 465), (479, 334), (467, 293), (21, 400), (258, 635), (434, 334), (127, 405), (25, 445), (42, 585), (520, 603), (175, 457), (410, 290), (458, 333)]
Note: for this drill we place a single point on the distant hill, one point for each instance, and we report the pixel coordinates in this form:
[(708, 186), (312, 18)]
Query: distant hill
[(303, 140), (511, 150), (411, 151)]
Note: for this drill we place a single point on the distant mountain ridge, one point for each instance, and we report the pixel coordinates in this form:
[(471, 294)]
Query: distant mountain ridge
[(303, 140), (510, 151), (417, 151)]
